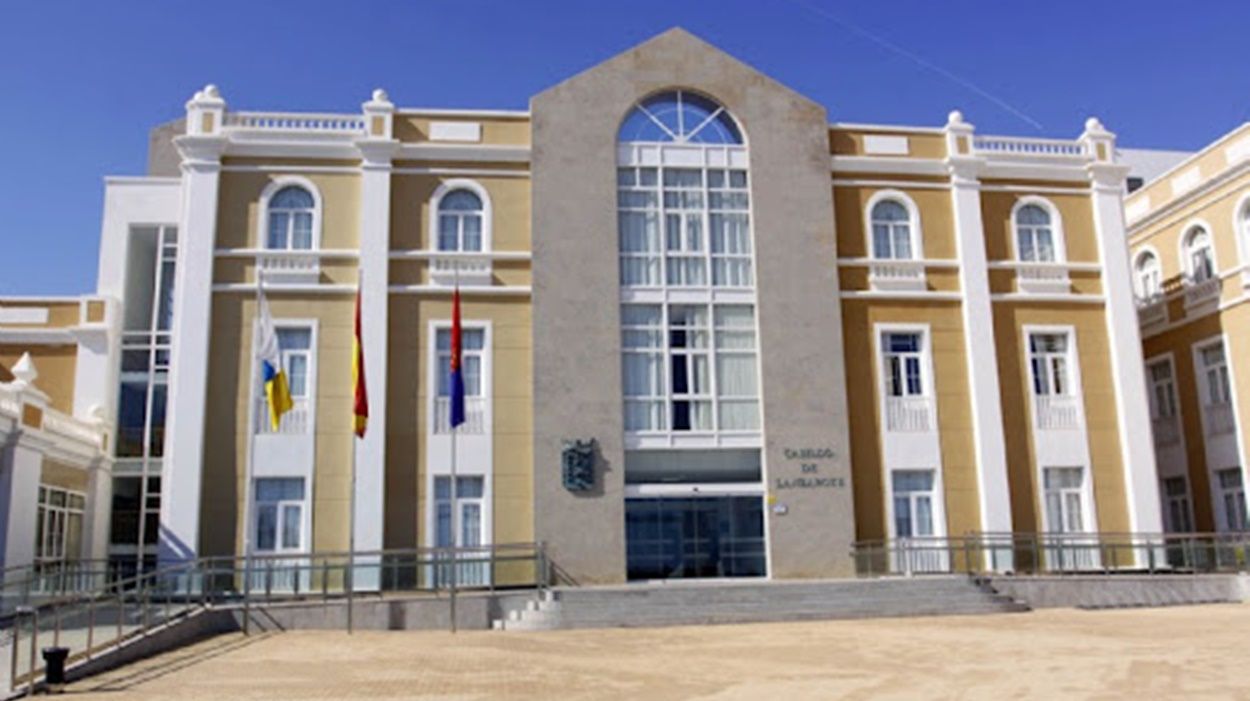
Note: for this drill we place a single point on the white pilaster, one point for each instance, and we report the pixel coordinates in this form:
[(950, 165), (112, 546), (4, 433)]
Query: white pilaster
[(978, 320), (1141, 478), (377, 149), (182, 474)]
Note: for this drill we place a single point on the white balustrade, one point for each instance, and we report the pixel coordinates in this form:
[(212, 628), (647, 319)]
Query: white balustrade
[(1201, 292), (69, 427), (1167, 430), (445, 269), (289, 121), (1057, 412), (1153, 311), (474, 415), (1037, 278), (897, 275), (1219, 419), (1018, 146), (294, 422), (290, 267), (909, 414), (10, 402)]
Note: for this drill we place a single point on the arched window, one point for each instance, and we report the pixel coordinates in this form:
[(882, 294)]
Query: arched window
[(1147, 275), (460, 214), (682, 117), (1199, 256), (1035, 234), (291, 211), (1242, 226), (892, 231)]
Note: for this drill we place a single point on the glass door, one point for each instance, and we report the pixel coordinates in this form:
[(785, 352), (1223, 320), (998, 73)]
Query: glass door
[(474, 567), (278, 535), (694, 537)]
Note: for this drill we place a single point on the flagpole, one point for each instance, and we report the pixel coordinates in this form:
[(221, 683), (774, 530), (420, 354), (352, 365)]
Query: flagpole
[(351, 528), (251, 458), (450, 403)]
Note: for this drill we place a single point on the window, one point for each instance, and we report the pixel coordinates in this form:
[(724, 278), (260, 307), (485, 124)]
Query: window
[(680, 117), (296, 350), (291, 211), (58, 524), (1215, 375), (460, 216), (903, 353), (1134, 183), (473, 346), (1199, 256), (1176, 505), (1163, 391), (470, 498), (913, 503), (1065, 499), (891, 231), (1048, 359), (1035, 236), (1232, 498), (1147, 275), (279, 521)]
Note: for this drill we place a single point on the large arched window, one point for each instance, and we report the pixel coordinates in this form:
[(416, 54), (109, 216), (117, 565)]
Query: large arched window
[(683, 209), (1199, 255), (291, 218), (1037, 240), (894, 228), (1147, 276), (460, 221)]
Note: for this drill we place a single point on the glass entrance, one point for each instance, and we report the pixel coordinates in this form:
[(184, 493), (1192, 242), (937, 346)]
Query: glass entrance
[(693, 537)]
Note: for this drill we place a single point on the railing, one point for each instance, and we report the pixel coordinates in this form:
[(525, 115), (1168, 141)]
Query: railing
[(474, 415), (1019, 146), (468, 269), (1199, 292), (909, 414), (284, 266), (897, 274), (1057, 411), (293, 422), (287, 121), (1167, 430), (1055, 553), (1153, 311), (10, 403), (121, 611), (1219, 419)]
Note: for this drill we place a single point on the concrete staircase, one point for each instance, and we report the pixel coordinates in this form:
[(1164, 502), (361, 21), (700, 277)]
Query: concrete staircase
[(702, 603)]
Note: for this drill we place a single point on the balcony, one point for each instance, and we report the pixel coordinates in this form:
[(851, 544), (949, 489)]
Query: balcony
[(1152, 311), (474, 416), (897, 275), (467, 268), (1057, 412), (1219, 419), (909, 414), (1024, 147), (1043, 278), (295, 422), (290, 267), (1167, 431), (1204, 292)]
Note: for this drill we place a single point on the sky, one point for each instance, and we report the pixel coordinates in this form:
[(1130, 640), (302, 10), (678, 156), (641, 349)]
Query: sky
[(82, 83)]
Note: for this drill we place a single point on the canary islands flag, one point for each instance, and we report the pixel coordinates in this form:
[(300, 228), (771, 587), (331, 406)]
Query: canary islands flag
[(360, 398), (271, 371)]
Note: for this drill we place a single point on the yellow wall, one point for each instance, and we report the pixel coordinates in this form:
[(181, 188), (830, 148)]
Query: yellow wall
[(239, 208), (936, 219), (55, 365), (496, 130), (850, 142), (1074, 210)]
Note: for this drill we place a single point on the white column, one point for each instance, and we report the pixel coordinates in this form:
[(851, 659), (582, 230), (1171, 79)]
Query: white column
[(1141, 481), (182, 474), (376, 149), (978, 320)]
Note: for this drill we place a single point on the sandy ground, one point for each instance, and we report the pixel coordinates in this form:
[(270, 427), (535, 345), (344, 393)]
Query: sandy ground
[(1184, 652)]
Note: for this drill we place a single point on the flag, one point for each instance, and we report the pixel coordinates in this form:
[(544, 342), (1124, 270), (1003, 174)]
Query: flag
[(457, 375), (360, 403), (277, 392)]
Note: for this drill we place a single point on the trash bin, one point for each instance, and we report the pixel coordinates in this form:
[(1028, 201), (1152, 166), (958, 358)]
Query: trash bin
[(54, 667)]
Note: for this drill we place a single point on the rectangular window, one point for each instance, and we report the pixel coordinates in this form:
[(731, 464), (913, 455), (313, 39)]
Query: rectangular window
[(1215, 375), (58, 524), (642, 367), (296, 349), (1163, 391), (279, 520), (1232, 498), (1065, 499), (913, 503), (902, 361), (470, 496), (473, 343), (1176, 505), (1049, 362)]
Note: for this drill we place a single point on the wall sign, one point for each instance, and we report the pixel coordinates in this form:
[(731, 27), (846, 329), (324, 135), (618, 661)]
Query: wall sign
[(810, 463), (577, 465)]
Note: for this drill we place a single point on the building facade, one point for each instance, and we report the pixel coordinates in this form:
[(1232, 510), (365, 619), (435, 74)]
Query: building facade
[(772, 338), (1189, 232)]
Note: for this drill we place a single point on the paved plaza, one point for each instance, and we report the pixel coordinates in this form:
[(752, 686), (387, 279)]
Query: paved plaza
[(1177, 652)]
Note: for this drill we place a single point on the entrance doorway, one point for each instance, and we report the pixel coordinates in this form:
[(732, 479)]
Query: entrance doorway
[(694, 537)]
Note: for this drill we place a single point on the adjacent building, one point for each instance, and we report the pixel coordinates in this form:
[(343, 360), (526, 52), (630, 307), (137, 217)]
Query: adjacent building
[(776, 340)]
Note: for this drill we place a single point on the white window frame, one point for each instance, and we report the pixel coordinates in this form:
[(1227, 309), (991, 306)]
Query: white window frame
[(1222, 494), (1186, 498), (1071, 357), (54, 515), (276, 185), (924, 355), (938, 506), (1086, 495), (1152, 385), (1241, 229), (488, 217), (1145, 296), (259, 405), (914, 225), (460, 501), (305, 525), (1058, 238), (1186, 251), (1201, 370), (432, 357)]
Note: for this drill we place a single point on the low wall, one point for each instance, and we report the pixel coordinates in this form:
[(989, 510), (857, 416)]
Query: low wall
[(474, 611), (1122, 590)]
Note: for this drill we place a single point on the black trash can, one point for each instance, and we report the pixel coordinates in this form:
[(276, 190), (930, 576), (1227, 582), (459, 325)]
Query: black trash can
[(54, 667)]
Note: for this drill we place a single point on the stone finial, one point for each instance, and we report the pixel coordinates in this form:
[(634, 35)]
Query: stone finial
[(379, 95), (954, 118), (1092, 124), (24, 370)]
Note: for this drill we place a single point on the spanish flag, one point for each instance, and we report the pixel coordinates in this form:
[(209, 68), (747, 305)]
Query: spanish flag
[(277, 392), (360, 404)]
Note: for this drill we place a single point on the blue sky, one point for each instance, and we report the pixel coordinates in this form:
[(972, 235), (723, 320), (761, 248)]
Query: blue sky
[(81, 83)]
